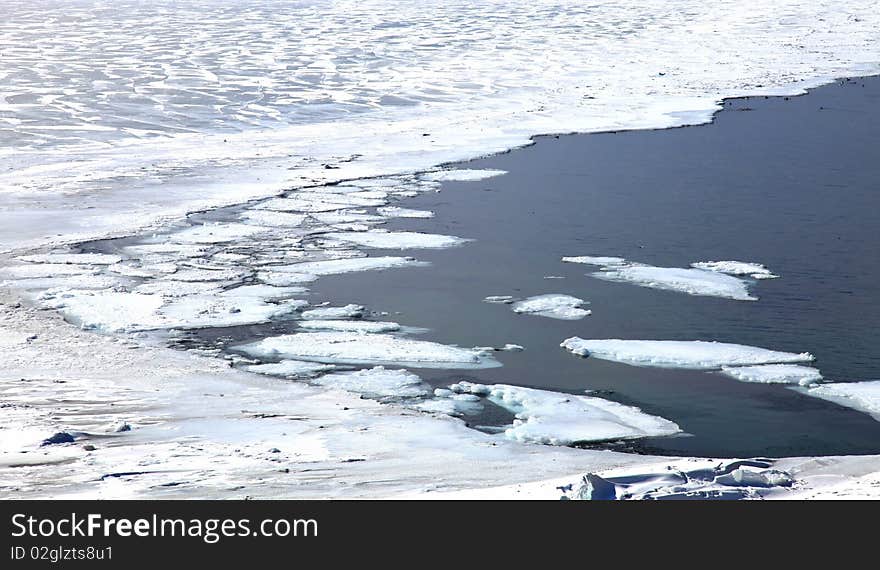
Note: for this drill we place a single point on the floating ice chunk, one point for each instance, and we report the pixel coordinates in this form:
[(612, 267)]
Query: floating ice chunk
[(592, 260), (397, 240), (284, 279), (753, 270), (73, 258), (350, 326), (272, 219), (347, 312), (45, 270), (774, 374), (503, 299), (366, 348), (555, 306), (861, 396), (397, 212), (462, 175), (690, 281), (290, 368), (377, 382), (347, 200), (215, 233), (338, 266), (693, 354), (563, 419)]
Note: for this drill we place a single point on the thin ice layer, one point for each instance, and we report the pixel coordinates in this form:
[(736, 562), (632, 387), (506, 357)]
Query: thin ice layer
[(692, 354), (555, 418), (81, 258), (398, 212), (774, 374), (554, 306), (338, 266), (861, 396), (377, 382), (365, 348)]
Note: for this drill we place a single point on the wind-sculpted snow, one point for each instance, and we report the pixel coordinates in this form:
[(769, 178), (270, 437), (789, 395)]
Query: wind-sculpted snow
[(155, 109)]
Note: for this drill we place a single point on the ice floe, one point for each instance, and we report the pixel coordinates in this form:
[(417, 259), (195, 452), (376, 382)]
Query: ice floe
[(397, 240), (774, 374), (350, 326), (215, 233), (349, 311), (707, 281), (861, 396), (366, 348), (555, 306), (753, 270), (462, 175), (694, 354), (274, 219), (338, 266), (377, 382), (563, 419), (398, 212), (45, 270), (290, 368), (501, 299)]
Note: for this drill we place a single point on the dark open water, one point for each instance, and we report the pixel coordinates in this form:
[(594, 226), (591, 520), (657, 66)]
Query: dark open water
[(791, 183)]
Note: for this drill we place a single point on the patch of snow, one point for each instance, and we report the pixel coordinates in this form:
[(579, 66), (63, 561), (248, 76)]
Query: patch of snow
[(290, 368), (272, 219), (215, 233)]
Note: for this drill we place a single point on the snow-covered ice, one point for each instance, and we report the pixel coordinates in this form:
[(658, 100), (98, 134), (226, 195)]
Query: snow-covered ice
[(215, 233), (862, 396), (692, 354), (376, 382), (397, 240), (555, 418), (555, 306), (595, 260), (774, 374), (365, 348), (272, 219)]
